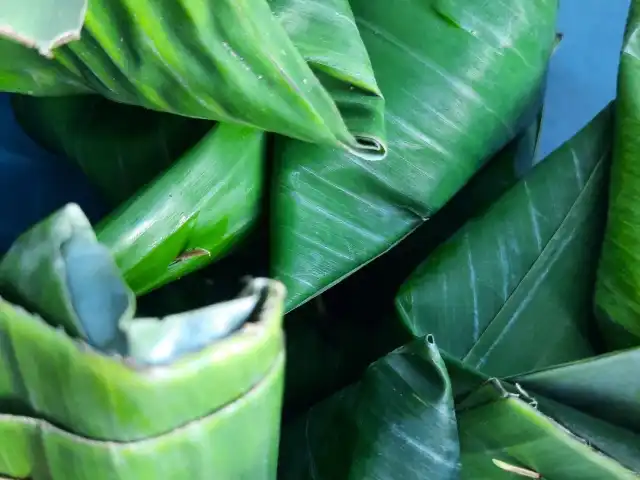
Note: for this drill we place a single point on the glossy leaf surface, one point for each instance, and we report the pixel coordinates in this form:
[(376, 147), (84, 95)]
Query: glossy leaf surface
[(234, 61), (42, 24), (501, 281), (323, 336), (191, 214), (618, 286), (501, 431), (397, 422), (456, 77), (607, 386), (237, 441), (69, 409), (61, 271)]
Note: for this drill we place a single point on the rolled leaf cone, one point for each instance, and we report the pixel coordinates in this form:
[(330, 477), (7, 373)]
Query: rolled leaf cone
[(617, 296), (333, 213), (125, 397), (186, 191), (295, 68), (418, 412), (456, 77), (193, 213), (544, 423), (397, 422)]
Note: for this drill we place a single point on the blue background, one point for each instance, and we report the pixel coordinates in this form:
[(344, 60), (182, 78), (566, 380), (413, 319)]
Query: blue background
[(582, 81)]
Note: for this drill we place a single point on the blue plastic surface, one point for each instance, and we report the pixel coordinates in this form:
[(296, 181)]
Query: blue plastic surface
[(33, 182), (583, 71)]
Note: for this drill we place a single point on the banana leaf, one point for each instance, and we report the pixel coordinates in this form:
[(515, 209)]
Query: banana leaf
[(186, 191), (456, 77), (502, 279), (89, 391), (120, 148), (606, 387), (408, 418), (506, 432), (294, 67), (560, 331), (354, 198), (323, 335), (617, 295), (397, 422)]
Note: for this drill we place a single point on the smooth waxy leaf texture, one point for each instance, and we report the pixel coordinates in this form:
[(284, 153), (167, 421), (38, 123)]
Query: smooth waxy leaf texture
[(456, 77), (397, 422), (324, 336), (501, 281), (191, 214), (607, 387), (234, 61), (618, 287), (182, 388), (501, 430)]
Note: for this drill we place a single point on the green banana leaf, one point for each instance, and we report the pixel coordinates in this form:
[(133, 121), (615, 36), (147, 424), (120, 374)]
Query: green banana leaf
[(502, 280), (548, 326), (400, 421), (505, 432), (369, 289), (397, 422), (324, 335), (617, 296), (293, 67), (193, 213), (606, 387), (187, 191), (325, 226), (92, 392), (120, 148), (456, 77)]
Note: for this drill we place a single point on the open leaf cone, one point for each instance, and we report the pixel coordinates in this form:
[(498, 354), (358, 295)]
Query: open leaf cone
[(196, 393)]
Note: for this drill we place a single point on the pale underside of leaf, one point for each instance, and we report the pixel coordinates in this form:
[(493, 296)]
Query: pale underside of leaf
[(42, 24)]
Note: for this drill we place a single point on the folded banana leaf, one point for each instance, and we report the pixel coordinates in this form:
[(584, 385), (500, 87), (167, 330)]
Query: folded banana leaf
[(324, 335), (502, 280), (186, 191), (193, 213), (606, 387), (456, 77), (418, 414), (506, 432), (294, 67), (397, 422), (617, 296), (541, 325), (89, 391)]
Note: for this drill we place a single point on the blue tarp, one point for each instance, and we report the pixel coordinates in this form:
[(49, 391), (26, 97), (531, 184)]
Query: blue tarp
[(34, 183)]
